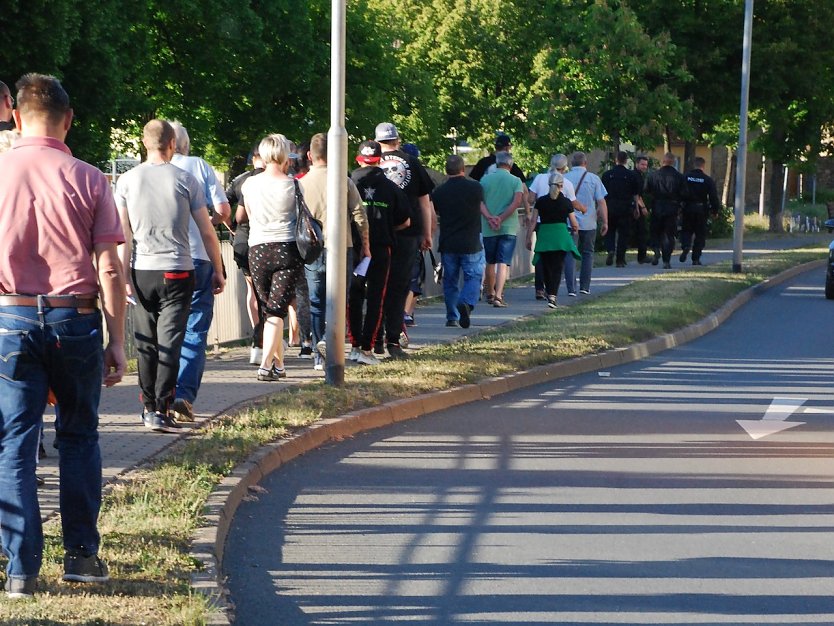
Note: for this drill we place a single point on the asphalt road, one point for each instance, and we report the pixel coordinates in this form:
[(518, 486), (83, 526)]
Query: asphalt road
[(632, 496)]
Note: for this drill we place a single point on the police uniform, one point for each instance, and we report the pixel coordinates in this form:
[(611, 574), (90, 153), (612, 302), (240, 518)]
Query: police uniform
[(668, 189), (702, 199)]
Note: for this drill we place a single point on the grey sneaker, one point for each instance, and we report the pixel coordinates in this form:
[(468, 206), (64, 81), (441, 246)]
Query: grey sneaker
[(183, 410), (321, 346), (153, 421), (21, 588), (85, 569), (367, 358)]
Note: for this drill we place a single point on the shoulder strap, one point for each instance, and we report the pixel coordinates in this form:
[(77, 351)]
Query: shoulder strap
[(581, 180)]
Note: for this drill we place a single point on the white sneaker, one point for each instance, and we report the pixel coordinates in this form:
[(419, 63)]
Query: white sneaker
[(367, 358), (255, 356), (354, 354)]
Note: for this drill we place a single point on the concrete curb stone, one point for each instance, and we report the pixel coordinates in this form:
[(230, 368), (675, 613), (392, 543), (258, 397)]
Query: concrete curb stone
[(208, 542)]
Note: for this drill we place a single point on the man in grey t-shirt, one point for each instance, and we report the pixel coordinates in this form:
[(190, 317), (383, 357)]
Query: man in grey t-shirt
[(156, 201)]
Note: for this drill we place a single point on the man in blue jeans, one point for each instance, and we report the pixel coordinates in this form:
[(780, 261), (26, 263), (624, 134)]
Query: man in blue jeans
[(459, 204), (193, 354), (591, 193), (57, 216)]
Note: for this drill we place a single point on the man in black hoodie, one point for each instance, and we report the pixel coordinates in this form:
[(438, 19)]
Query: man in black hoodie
[(388, 211)]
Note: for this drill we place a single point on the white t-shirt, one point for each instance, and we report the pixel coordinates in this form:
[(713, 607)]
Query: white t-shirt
[(270, 205), (541, 186)]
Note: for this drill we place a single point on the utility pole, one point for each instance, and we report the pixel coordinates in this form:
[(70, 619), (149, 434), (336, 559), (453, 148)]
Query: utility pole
[(334, 362), (741, 163)]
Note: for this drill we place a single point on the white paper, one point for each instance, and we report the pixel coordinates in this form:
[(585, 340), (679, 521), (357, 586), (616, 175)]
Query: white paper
[(362, 268)]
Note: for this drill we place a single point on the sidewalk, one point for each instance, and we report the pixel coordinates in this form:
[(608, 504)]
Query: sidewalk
[(229, 379)]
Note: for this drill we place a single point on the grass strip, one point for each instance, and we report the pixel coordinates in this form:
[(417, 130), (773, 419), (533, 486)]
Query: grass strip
[(148, 516)]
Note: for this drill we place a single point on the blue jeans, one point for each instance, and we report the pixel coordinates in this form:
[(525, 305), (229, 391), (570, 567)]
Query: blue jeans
[(316, 274), (587, 239), (193, 353), (472, 267), (59, 349)]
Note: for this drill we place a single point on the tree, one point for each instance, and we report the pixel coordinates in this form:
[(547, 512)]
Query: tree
[(792, 85), (600, 79)]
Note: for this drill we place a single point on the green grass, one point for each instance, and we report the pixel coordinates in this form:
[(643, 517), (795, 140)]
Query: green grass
[(149, 516)]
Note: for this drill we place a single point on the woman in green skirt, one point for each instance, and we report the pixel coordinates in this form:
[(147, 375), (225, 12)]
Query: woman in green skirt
[(549, 221)]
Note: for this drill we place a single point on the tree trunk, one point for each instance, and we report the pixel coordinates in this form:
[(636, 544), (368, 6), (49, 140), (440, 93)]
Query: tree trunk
[(688, 155), (776, 175), (728, 176), (667, 140)]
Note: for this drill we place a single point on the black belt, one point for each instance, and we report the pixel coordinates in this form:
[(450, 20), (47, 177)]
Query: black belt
[(52, 302)]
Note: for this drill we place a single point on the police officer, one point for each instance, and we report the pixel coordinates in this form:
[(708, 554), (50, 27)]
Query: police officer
[(701, 201), (623, 186), (668, 188)]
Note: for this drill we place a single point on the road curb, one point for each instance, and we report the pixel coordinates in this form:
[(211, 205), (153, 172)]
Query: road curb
[(208, 541)]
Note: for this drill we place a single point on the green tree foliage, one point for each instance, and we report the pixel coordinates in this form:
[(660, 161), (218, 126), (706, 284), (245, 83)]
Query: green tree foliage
[(599, 79), (555, 75)]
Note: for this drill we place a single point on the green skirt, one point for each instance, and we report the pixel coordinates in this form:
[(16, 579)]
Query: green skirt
[(551, 237)]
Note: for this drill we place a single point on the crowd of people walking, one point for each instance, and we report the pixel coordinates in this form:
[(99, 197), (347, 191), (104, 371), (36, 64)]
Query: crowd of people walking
[(77, 253)]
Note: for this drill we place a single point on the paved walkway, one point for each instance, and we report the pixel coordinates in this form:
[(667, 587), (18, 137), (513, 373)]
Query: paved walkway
[(125, 443)]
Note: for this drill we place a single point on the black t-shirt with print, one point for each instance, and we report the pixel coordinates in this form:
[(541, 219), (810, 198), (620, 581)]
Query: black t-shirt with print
[(409, 175), (385, 204)]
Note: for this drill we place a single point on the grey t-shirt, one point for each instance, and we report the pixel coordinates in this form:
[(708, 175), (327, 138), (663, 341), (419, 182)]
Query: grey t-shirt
[(160, 199)]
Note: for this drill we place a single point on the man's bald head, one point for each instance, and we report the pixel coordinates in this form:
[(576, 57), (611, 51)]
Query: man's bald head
[(669, 159), (157, 135)]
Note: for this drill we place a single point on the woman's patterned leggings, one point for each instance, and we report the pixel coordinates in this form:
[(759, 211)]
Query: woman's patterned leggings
[(275, 271)]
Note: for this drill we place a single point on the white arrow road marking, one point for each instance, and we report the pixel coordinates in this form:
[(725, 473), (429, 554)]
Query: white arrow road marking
[(780, 409)]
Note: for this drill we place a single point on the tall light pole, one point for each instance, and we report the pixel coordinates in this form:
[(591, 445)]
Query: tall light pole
[(334, 363), (741, 163)]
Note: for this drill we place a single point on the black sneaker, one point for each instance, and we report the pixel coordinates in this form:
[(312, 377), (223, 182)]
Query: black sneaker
[(684, 254), (396, 351), (379, 348), (452, 324), (609, 260), (667, 265), (21, 588), (85, 569), (696, 262), (169, 423), (306, 352), (656, 258), (463, 311)]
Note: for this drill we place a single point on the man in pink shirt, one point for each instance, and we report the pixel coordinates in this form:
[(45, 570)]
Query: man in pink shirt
[(57, 215)]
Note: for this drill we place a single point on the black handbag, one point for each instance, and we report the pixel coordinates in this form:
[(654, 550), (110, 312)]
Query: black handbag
[(308, 235)]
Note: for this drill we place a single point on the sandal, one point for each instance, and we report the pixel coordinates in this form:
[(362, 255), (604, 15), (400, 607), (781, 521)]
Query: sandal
[(498, 302)]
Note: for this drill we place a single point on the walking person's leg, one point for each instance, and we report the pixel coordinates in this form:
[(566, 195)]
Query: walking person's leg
[(451, 281), (587, 239), (75, 366)]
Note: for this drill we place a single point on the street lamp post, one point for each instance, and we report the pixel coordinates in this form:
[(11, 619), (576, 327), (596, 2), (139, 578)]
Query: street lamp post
[(334, 366), (741, 163)]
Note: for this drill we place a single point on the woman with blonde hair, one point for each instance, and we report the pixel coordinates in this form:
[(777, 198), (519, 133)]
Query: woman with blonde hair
[(553, 240), (268, 200)]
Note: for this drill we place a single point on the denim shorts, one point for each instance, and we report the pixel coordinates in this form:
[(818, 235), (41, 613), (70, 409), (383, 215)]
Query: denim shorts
[(499, 249)]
